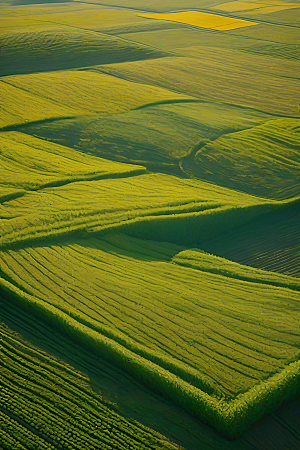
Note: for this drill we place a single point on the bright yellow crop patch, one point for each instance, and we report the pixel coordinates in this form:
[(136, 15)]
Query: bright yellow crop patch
[(257, 7), (203, 20)]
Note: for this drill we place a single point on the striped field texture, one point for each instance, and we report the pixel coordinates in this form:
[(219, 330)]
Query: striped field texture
[(270, 243), (155, 300), (47, 404), (127, 295), (264, 160), (142, 200)]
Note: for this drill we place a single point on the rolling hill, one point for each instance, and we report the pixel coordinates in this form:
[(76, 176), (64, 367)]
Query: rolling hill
[(149, 223)]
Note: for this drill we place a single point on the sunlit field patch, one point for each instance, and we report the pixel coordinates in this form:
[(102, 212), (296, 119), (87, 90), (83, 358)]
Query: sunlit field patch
[(257, 7), (209, 75), (41, 163), (203, 20), (120, 262), (124, 298), (27, 98)]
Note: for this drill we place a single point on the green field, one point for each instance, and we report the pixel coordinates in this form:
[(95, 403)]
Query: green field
[(40, 392), (149, 225), (49, 95), (161, 137)]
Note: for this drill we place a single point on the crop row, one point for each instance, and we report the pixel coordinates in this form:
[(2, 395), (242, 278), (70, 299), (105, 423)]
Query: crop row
[(199, 260), (11, 430), (270, 242), (229, 418), (56, 272), (133, 320), (51, 406)]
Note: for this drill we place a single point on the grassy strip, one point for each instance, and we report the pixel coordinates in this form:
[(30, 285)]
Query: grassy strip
[(194, 228), (199, 260), (229, 419), (186, 228)]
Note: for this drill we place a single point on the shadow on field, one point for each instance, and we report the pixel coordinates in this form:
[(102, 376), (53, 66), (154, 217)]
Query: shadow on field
[(270, 242)]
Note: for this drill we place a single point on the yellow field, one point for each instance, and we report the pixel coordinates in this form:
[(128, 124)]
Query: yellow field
[(203, 20), (257, 7), (69, 93)]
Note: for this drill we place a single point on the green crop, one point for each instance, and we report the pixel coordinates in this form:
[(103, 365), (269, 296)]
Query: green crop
[(46, 404)]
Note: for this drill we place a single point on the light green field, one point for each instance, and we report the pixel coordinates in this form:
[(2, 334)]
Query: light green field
[(214, 79), (144, 202), (44, 393), (7, 193), (274, 12), (39, 163), (140, 330), (168, 5), (72, 93), (242, 362), (157, 305), (130, 399)]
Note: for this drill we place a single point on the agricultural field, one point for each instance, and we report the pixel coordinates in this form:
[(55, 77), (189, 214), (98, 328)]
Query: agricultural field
[(149, 225), (161, 136)]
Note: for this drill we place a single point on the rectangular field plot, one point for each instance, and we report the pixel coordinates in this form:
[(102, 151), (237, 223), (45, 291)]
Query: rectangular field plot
[(258, 7), (203, 20), (132, 301)]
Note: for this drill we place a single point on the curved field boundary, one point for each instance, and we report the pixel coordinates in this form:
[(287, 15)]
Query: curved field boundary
[(159, 224), (205, 262), (230, 419)]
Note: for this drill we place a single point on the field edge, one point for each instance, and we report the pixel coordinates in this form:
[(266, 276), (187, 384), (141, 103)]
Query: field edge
[(228, 419)]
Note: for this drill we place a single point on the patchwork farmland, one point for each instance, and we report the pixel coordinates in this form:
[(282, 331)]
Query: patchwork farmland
[(149, 225)]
